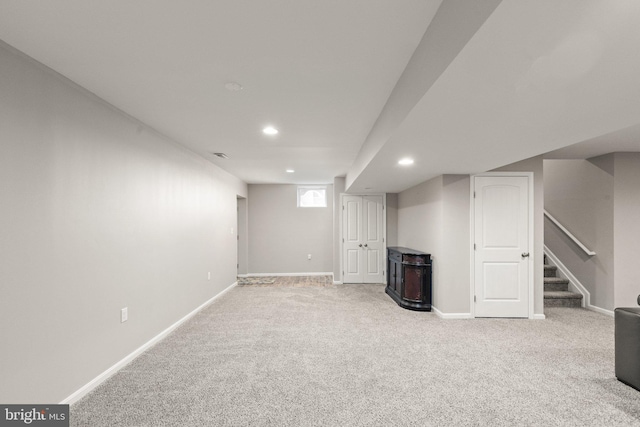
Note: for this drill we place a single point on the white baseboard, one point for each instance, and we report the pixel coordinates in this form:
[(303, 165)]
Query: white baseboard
[(316, 273), (337, 282), (87, 388), (600, 310), (451, 316)]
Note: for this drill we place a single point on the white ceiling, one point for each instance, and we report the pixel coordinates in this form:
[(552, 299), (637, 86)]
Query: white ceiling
[(320, 71), (337, 77), (537, 76)]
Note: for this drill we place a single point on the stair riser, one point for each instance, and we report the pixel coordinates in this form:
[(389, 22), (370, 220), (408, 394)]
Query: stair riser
[(553, 287), (556, 290), (563, 302)]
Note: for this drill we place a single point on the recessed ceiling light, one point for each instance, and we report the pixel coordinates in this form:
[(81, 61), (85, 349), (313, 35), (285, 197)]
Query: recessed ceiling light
[(290, 171), (233, 86), (405, 162), (270, 130)]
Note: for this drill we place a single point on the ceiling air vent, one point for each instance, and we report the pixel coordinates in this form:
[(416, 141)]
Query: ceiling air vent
[(221, 155)]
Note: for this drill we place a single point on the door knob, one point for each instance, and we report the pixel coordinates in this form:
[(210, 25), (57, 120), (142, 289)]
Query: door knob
[(366, 246), (525, 254), (360, 245)]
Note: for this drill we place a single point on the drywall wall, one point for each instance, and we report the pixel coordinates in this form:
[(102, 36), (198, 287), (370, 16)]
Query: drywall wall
[(535, 165), (598, 200), (420, 216), (420, 226), (338, 189), (626, 228), (243, 237), (434, 217), (99, 213), (281, 235), (392, 219), (455, 261), (580, 195)]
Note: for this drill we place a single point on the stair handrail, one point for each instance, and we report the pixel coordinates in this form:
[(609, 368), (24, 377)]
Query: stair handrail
[(569, 234)]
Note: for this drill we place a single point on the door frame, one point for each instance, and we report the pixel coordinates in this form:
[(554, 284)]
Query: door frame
[(384, 231), (531, 234)]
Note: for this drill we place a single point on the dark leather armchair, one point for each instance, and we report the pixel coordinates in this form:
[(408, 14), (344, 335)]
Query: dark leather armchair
[(627, 345)]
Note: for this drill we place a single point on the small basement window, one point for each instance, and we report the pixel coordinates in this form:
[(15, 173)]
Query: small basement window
[(312, 196)]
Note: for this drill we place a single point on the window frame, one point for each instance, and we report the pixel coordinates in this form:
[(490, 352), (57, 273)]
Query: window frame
[(303, 189)]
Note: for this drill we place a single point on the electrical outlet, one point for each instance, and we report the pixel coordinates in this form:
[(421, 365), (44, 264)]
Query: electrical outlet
[(309, 256), (124, 314)]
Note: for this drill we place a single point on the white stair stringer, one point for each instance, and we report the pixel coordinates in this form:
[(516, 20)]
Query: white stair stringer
[(574, 283)]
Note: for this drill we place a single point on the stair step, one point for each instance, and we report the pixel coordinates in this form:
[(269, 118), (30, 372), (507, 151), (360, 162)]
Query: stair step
[(562, 295), (555, 280), (550, 270), (556, 287), (554, 284), (562, 299)]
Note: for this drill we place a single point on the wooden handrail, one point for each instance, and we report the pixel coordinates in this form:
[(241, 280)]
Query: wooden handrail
[(568, 233)]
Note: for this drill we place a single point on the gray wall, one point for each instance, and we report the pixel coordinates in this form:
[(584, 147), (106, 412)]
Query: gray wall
[(434, 217), (627, 228), (243, 237), (98, 213), (455, 260), (338, 189), (281, 235), (420, 217), (392, 219), (579, 194), (420, 226), (598, 200)]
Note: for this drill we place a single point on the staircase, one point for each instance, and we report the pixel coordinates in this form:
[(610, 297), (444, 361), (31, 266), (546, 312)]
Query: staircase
[(556, 290)]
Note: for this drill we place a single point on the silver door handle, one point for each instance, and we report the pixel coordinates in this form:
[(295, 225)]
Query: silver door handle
[(360, 245), (525, 254), (366, 246)]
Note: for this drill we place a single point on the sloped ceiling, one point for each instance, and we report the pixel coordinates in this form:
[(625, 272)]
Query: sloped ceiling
[(460, 86), (536, 77)]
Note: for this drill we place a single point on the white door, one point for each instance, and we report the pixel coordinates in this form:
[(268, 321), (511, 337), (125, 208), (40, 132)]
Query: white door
[(502, 258), (363, 239)]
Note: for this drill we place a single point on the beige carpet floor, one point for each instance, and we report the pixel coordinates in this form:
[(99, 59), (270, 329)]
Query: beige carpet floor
[(347, 355), (294, 281)]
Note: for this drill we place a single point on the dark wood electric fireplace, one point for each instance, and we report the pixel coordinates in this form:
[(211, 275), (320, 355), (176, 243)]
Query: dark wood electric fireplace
[(409, 278)]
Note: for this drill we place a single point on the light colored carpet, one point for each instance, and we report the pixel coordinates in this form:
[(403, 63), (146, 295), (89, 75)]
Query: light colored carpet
[(255, 280), (295, 281), (347, 355)]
